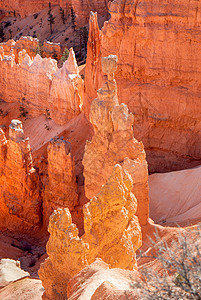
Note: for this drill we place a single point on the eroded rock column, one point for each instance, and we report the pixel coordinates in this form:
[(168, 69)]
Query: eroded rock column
[(112, 233), (19, 181), (61, 189), (113, 142)]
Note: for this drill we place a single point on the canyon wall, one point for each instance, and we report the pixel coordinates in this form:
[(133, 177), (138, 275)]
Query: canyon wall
[(158, 49), (81, 8), (40, 87), (112, 233)]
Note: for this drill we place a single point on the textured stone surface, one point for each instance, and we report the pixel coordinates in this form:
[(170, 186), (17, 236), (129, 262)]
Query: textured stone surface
[(31, 46), (61, 189), (81, 8), (93, 63), (26, 288), (66, 94), (158, 75), (112, 142), (97, 281), (41, 88), (10, 271), (112, 233), (19, 182), (67, 255), (111, 227)]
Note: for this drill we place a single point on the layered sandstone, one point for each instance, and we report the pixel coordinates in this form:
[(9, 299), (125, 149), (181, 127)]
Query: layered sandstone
[(66, 93), (61, 189), (25, 7), (81, 8), (158, 75), (32, 46), (50, 49), (112, 233), (19, 182), (40, 87), (112, 142), (93, 63)]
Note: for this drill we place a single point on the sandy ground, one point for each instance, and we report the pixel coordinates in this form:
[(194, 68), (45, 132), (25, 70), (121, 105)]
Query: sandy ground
[(175, 196)]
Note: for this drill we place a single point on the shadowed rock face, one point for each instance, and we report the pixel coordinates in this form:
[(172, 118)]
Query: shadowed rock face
[(61, 190), (19, 182), (157, 76), (112, 232), (113, 142)]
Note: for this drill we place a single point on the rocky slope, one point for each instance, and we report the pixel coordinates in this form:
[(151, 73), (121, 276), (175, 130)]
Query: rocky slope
[(81, 8)]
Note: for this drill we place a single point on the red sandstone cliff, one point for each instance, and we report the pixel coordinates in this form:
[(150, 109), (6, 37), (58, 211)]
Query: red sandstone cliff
[(158, 75), (81, 8)]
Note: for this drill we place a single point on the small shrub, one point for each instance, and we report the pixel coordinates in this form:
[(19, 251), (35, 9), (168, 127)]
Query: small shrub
[(180, 269), (62, 15), (51, 18), (23, 112), (35, 16), (47, 112), (47, 127), (7, 24), (65, 55)]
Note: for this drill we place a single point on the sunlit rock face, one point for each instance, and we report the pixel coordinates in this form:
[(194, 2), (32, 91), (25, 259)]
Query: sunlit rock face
[(67, 255), (113, 142), (158, 76), (112, 233), (40, 87), (19, 182), (66, 94), (31, 46), (93, 72)]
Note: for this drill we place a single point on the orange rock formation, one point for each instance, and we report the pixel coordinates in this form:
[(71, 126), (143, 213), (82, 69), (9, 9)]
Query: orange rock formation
[(66, 93), (113, 141), (81, 8), (61, 190), (156, 55), (40, 87), (32, 46), (19, 182), (67, 255), (93, 63), (112, 232)]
